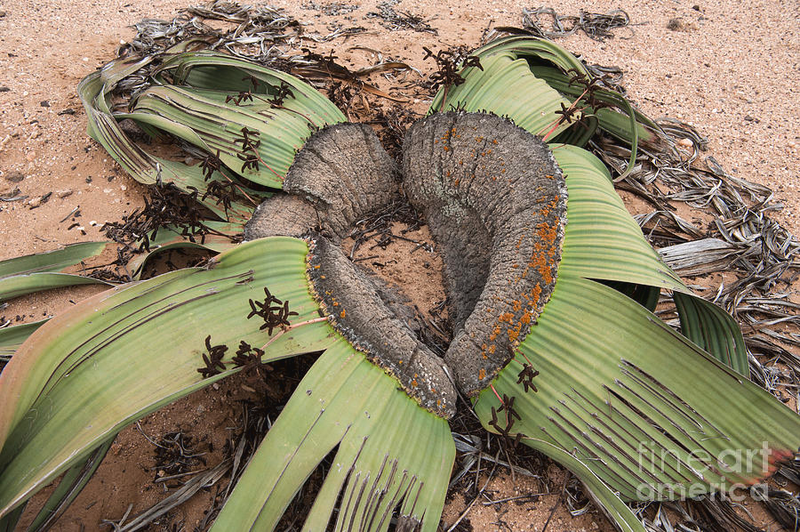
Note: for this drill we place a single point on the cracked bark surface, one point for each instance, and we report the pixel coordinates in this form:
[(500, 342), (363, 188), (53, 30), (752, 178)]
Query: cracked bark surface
[(495, 202), (341, 175)]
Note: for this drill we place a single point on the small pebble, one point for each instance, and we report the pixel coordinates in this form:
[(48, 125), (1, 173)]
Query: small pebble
[(64, 193), (686, 143)]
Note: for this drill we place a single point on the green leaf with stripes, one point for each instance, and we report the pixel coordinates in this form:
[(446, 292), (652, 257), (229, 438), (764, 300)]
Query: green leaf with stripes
[(390, 455), (90, 371), (51, 261), (602, 242), (641, 406)]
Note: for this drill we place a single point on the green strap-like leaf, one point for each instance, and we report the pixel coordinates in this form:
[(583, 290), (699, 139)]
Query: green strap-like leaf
[(222, 237), (602, 242), (533, 106), (20, 285), (391, 454), (565, 73), (94, 90), (607, 499), (712, 329), (213, 70), (645, 409), (69, 487), (601, 239), (51, 261), (34, 273), (119, 355), (12, 337), (204, 119), (610, 119), (535, 50)]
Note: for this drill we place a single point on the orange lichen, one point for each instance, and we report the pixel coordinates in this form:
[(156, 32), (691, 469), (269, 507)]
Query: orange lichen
[(536, 293), (482, 374), (342, 314)]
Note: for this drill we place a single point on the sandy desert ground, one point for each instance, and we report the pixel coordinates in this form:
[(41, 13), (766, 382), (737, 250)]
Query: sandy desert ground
[(730, 68)]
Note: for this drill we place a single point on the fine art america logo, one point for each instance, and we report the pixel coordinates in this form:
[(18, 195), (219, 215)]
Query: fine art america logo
[(699, 469)]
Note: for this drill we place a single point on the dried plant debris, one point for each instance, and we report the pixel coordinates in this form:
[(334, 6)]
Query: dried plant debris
[(175, 455), (263, 33), (597, 26), (449, 64), (164, 205), (331, 9), (393, 122), (400, 20), (741, 237)]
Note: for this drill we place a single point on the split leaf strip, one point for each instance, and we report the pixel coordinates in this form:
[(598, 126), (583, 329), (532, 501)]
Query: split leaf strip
[(20, 285), (41, 271), (608, 105), (602, 242), (69, 487), (533, 106), (646, 410), (221, 238), (529, 80), (96, 91), (13, 337), (604, 497), (89, 372), (51, 261), (144, 168), (619, 119), (278, 108), (390, 453), (712, 329)]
